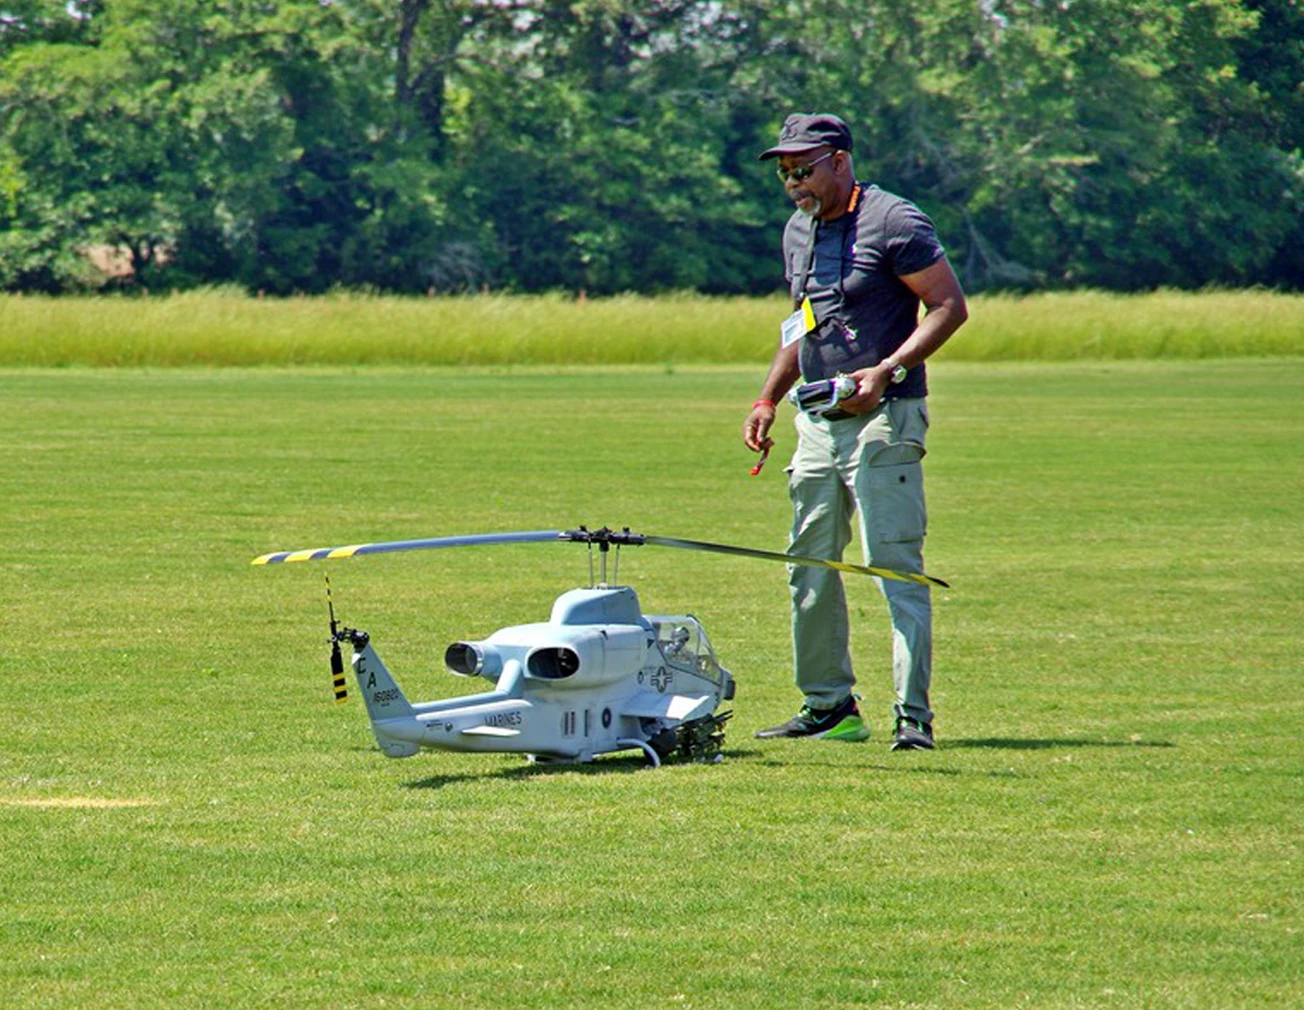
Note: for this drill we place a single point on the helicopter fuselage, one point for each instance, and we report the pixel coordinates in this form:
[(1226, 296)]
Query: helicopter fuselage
[(598, 676)]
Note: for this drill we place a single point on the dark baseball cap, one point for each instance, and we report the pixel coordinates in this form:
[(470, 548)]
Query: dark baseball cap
[(805, 130)]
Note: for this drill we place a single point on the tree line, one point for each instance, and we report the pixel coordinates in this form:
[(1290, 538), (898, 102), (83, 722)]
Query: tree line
[(610, 145)]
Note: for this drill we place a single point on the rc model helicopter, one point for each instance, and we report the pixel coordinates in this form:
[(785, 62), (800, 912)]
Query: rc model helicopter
[(598, 676)]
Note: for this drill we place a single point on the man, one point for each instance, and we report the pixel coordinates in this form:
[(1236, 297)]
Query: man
[(859, 261)]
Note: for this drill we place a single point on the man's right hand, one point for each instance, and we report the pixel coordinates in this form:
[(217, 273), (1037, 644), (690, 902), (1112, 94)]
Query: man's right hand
[(756, 429)]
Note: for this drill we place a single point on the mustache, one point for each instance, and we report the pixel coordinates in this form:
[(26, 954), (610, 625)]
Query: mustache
[(800, 196)]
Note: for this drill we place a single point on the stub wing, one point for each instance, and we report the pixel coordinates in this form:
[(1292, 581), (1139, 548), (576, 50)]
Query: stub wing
[(678, 707)]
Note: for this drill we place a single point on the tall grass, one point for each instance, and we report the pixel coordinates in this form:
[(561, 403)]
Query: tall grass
[(227, 327), (1164, 324)]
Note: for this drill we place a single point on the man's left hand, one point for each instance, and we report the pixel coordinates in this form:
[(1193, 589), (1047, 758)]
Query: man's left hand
[(871, 383)]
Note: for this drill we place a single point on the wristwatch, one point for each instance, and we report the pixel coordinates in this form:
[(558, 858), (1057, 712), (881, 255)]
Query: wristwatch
[(898, 370)]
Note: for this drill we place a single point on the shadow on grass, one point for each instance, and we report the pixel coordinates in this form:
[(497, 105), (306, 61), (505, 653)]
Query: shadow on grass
[(893, 768), (623, 763), (1024, 743), (626, 763)]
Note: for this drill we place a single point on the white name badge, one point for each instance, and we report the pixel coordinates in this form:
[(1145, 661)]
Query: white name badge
[(797, 325)]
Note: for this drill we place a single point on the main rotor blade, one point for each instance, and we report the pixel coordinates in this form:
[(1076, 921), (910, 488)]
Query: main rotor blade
[(430, 543), (794, 559), (602, 537)]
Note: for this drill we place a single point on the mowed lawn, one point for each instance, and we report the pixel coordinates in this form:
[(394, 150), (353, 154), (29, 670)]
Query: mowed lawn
[(1112, 819)]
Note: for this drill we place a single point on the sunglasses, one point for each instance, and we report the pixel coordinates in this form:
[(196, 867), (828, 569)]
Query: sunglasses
[(802, 172)]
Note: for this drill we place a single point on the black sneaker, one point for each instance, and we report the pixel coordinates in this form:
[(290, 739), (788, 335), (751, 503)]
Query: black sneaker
[(841, 723), (911, 734)]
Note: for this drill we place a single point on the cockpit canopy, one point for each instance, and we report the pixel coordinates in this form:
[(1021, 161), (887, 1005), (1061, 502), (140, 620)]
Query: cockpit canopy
[(684, 644)]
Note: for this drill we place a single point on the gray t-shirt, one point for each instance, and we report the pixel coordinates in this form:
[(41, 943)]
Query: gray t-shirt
[(851, 270)]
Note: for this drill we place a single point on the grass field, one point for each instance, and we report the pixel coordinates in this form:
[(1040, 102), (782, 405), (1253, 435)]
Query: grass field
[(1112, 818), (226, 327)]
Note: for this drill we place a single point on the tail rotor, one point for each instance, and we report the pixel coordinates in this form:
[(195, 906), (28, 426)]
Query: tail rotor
[(337, 658)]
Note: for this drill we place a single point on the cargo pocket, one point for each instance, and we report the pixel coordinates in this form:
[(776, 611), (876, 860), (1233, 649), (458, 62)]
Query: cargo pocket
[(896, 502)]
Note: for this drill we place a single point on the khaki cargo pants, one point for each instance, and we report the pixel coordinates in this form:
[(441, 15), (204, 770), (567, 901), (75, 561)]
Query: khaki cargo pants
[(866, 466)]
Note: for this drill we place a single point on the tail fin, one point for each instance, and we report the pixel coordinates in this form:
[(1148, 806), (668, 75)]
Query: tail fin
[(383, 697), (389, 710)]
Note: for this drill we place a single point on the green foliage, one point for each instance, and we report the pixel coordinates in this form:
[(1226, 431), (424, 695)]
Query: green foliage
[(1271, 59), (1102, 143), (1110, 821), (296, 146), (26, 22)]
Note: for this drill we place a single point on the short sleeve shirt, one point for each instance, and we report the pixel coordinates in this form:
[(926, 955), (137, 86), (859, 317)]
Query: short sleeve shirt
[(851, 270)]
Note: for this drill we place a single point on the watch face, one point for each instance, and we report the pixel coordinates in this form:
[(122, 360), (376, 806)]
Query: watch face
[(899, 374)]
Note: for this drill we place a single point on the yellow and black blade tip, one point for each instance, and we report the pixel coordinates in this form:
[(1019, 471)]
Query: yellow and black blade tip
[(337, 673)]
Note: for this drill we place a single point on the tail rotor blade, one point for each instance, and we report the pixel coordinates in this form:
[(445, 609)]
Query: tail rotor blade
[(337, 659), (338, 683)]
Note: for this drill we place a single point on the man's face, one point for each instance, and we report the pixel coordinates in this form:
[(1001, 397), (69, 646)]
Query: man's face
[(809, 178)]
